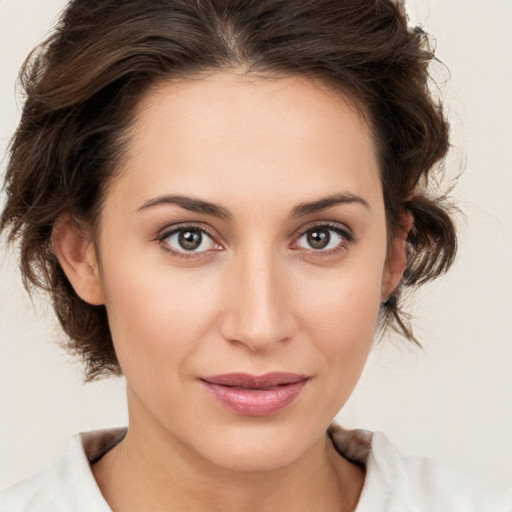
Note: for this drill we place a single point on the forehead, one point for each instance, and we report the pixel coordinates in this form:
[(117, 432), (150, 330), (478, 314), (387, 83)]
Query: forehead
[(228, 136)]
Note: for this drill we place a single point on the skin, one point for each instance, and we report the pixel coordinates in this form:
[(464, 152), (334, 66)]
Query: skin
[(255, 298)]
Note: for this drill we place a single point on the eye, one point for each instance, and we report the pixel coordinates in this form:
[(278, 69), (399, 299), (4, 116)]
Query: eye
[(188, 239), (324, 238)]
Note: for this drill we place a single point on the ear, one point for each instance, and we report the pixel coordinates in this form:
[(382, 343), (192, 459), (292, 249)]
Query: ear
[(397, 257), (77, 257)]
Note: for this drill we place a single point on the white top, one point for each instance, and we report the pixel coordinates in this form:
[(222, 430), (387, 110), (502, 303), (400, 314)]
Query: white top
[(393, 483)]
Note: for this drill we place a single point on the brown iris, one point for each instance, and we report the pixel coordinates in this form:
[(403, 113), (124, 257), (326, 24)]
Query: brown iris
[(190, 239), (319, 238)]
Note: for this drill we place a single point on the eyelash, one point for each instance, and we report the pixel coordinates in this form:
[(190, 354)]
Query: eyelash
[(346, 236), (177, 229), (347, 239)]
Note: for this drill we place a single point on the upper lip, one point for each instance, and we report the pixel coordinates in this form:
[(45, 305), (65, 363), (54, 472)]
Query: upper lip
[(245, 380)]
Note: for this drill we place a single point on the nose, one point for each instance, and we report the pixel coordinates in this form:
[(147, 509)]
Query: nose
[(258, 310)]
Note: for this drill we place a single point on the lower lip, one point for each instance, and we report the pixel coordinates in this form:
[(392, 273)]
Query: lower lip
[(255, 402)]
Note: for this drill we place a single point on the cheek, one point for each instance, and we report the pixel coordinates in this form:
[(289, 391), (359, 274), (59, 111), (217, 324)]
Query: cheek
[(341, 317), (344, 306), (157, 317)]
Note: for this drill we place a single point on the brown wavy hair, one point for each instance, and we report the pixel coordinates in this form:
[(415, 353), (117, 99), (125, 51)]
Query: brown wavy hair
[(83, 83)]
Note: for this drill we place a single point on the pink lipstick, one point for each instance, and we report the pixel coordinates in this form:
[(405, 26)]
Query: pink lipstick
[(251, 395)]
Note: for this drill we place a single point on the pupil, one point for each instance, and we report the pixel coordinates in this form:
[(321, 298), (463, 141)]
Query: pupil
[(319, 238), (190, 239)]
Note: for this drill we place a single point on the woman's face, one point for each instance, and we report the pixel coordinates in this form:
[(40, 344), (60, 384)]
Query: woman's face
[(245, 235)]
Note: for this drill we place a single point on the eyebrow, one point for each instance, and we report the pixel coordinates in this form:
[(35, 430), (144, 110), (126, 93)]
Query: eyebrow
[(327, 202), (189, 203), (205, 207)]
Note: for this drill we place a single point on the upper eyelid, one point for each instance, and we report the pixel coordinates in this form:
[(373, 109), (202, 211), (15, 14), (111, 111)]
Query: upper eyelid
[(335, 226), (170, 230)]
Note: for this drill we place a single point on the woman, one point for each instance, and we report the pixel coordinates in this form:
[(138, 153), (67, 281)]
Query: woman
[(224, 199)]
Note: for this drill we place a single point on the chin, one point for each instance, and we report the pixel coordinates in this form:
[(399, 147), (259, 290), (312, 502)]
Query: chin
[(257, 447)]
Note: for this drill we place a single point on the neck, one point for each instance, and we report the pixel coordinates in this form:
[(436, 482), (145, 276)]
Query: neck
[(151, 470)]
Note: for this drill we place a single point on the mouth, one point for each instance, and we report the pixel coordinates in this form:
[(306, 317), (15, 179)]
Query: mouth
[(255, 395)]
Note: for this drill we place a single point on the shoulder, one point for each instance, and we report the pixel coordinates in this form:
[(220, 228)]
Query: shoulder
[(429, 485), (418, 484), (68, 483)]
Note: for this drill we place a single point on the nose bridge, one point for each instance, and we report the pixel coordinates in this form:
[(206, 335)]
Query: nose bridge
[(258, 313)]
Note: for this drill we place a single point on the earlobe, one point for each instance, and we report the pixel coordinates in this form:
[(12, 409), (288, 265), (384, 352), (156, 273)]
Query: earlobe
[(77, 257), (397, 258)]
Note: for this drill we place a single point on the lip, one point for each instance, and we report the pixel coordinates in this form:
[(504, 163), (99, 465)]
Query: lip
[(255, 395)]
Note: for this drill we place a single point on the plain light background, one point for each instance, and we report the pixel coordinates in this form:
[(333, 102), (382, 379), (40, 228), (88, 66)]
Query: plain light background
[(452, 401)]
